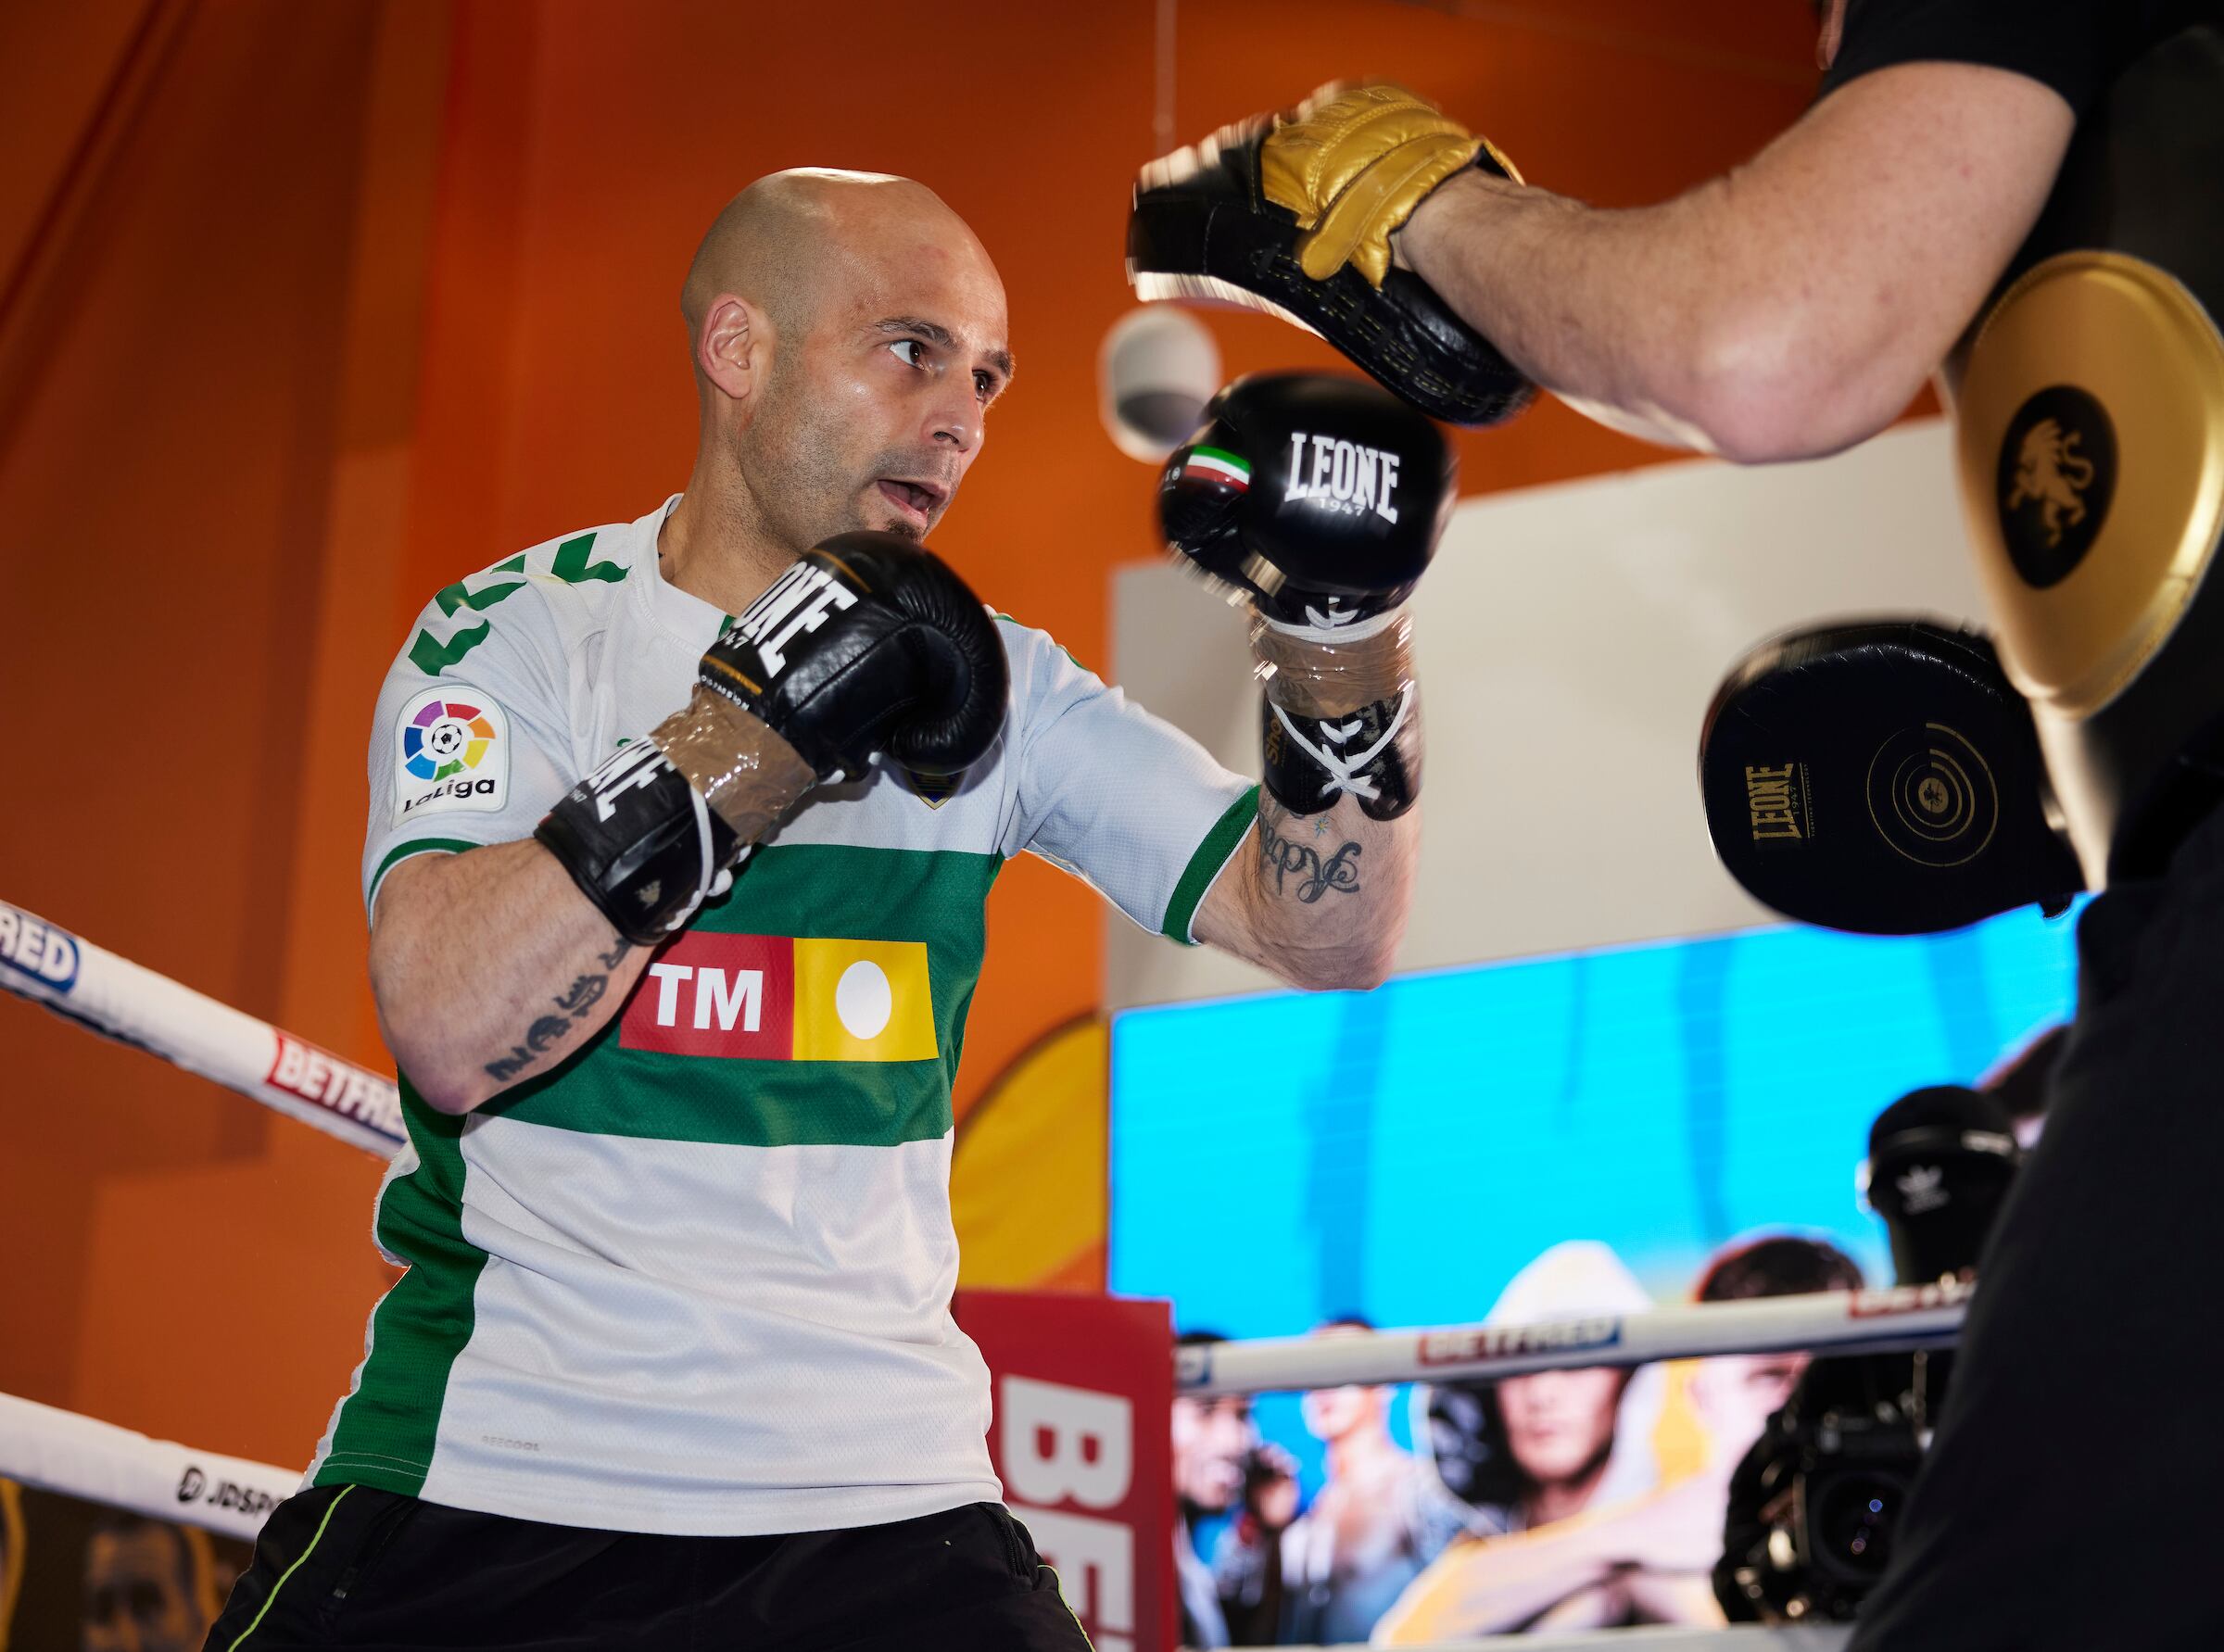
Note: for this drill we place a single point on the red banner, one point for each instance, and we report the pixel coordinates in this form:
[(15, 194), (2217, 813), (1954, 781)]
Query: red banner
[(1084, 1391)]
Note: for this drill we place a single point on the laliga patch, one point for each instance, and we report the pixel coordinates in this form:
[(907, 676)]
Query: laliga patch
[(451, 753)]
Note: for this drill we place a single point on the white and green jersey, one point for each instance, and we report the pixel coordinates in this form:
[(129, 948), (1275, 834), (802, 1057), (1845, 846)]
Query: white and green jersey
[(695, 1277)]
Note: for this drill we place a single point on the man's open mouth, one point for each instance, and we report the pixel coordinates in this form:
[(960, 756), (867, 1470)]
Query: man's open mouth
[(916, 499)]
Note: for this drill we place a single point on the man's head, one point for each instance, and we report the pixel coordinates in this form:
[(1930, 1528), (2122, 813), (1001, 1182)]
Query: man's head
[(1559, 1425), (148, 1587), (1735, 1395), (1333, 1414), (1213, 1442), (847, 334)]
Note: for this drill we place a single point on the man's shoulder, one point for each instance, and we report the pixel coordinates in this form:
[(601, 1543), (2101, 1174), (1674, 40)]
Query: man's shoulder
[(544, 594), (1035, 655)]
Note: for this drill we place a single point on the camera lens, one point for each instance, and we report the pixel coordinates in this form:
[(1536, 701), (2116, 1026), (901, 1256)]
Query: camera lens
[(1851, 1521)]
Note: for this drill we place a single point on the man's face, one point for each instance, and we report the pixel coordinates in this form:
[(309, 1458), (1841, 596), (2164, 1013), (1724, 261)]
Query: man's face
[(1560, 1423), (139, 1594), (1333, 1413), (1336, 1413), (1737, 1394), (1211, 1439), (874, 410)]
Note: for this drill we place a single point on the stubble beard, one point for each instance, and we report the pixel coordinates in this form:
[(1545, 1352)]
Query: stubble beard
[(805, 487)]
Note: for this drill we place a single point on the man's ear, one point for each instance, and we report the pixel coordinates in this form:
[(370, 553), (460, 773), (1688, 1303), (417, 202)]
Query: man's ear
[(733, 346), (1834, 31)]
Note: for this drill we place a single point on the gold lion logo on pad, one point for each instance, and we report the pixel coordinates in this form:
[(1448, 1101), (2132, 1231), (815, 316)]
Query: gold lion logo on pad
[(2049, 472), (2056, 474)]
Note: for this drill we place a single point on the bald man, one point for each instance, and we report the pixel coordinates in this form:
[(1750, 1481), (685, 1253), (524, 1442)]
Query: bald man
[(673, 1363)]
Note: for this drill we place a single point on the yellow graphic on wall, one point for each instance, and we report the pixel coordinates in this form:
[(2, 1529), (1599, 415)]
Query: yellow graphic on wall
[(1028, 1187)]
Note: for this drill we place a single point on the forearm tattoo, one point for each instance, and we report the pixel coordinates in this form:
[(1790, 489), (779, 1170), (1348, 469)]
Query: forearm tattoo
[(547, 1031), (1297, 868)]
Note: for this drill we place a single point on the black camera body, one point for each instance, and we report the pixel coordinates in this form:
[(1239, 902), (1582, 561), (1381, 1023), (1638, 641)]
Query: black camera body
[(1813, 1505)]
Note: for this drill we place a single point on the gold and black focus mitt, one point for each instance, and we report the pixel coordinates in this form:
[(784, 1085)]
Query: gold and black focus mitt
[(1292, 214), (1881, 777)]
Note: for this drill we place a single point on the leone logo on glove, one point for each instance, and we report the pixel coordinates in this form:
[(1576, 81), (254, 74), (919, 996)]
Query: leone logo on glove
[(1343, 474), (797, 602)]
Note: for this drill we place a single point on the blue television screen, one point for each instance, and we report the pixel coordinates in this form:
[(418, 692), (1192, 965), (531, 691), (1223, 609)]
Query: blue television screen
[(1547, 1138), (1401, 1154)]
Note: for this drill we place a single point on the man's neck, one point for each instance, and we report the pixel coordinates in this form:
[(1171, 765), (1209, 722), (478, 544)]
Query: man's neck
[(1360, 1453), (1560, 1498), (716, 546)]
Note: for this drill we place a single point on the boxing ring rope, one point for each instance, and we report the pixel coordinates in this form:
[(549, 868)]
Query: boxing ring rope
[(133, 1005), (79, 1456), (1830, 1322), (59, 1451), (120, 999)]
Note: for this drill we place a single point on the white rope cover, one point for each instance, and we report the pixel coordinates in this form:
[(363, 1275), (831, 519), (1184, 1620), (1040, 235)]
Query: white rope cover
[(59, 1451), (1833, 1323), (74, 978), (1805, 1637)]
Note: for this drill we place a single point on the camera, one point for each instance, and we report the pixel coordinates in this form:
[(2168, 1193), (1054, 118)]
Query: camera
[(1813, 1507)]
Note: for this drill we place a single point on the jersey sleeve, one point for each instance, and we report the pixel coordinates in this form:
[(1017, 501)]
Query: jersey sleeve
[(2075, 46), (470, 743), (1115, 795)]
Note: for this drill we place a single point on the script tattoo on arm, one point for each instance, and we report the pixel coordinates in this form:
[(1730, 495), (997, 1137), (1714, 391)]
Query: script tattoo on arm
[(1296, 868), (584, 994), (575, 1001)]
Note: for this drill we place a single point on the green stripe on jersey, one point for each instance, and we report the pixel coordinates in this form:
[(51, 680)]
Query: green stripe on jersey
[(387, 1426), (384, 1434), (934, 896), (402, 851), (1205, 866)]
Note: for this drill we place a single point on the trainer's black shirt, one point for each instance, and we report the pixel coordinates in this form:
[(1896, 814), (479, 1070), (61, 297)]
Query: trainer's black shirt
[(2075, 46)]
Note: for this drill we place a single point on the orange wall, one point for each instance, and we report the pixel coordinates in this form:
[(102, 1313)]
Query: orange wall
[(308, 309)]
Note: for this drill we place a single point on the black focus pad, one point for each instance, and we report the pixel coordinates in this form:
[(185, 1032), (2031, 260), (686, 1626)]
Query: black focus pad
[(1201, 227), (868, 643), (1881, 777), (1322, 497)]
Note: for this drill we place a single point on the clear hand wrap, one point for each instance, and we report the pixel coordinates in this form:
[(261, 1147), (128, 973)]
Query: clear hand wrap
[(748, 774), (1340, 714)]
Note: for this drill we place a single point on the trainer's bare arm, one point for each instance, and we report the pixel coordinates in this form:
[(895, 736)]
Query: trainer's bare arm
[(1786, 310), (1319, 900), (491, 967)]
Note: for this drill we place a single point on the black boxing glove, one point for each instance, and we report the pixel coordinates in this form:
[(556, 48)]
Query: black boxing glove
[(867, 643), (642, 843), (1321, 500)]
